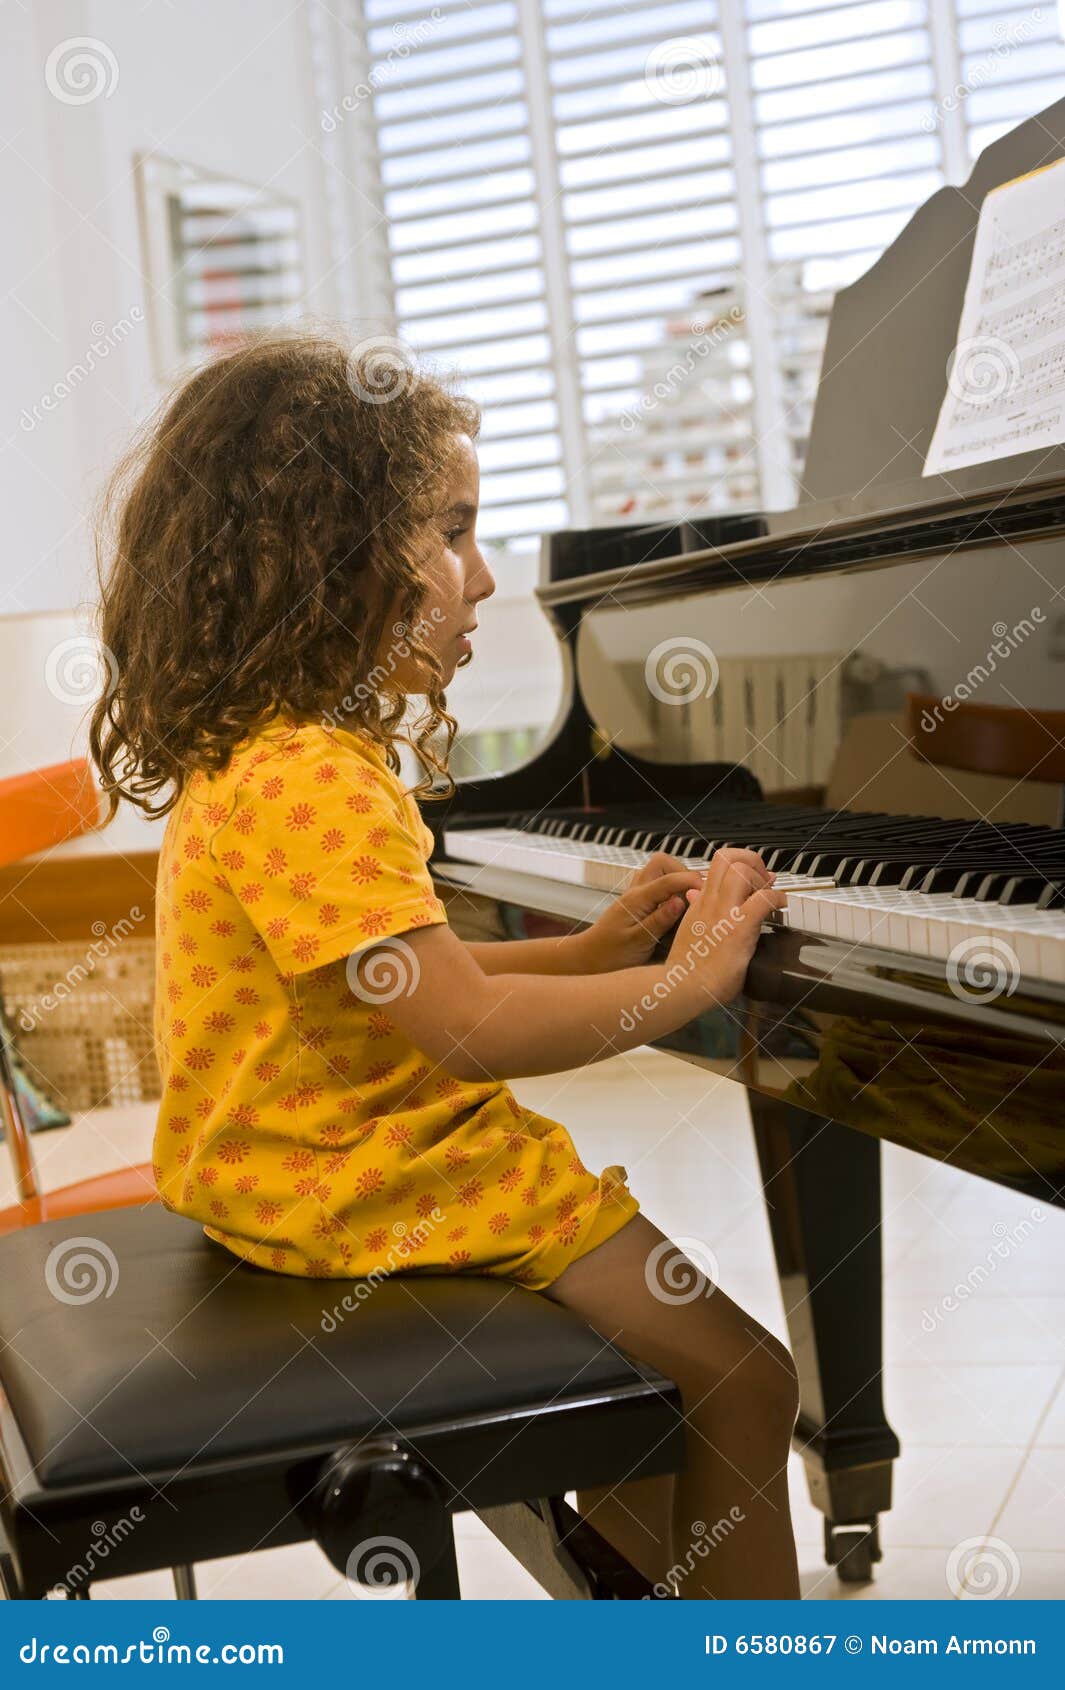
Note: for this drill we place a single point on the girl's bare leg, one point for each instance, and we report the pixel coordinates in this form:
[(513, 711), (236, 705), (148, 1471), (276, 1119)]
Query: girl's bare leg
[(727, 1510)]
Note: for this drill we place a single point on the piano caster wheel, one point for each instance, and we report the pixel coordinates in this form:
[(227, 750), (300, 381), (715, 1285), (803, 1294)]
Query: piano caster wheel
[(379, 1514), (853, 1548)]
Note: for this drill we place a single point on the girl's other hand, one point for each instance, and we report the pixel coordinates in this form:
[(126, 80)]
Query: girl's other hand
[(716, 939), (627, 933)]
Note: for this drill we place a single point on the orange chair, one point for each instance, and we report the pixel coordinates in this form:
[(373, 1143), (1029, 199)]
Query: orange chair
[(39, 809)]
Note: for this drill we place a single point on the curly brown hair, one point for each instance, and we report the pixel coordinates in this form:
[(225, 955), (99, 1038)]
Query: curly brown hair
[(256, 547)]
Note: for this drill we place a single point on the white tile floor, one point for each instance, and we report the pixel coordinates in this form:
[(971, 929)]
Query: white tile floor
[(977, 1395)]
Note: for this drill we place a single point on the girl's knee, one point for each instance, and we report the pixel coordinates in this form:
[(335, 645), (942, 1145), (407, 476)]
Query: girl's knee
[(759, 1385), (775, 1381)]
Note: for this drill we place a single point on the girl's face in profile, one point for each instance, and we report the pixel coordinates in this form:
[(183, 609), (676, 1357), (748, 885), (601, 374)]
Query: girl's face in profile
[(458, 576)]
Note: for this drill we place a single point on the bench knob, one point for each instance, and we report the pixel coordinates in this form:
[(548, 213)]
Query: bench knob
[(380, 1514)]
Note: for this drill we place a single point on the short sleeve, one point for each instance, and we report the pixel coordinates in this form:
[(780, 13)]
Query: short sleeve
[(324, 851)]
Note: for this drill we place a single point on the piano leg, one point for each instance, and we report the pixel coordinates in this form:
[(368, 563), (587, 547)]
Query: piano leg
[(822, 1191)]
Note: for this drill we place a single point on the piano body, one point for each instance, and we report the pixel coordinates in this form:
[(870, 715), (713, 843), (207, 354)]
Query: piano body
[(712, 670)]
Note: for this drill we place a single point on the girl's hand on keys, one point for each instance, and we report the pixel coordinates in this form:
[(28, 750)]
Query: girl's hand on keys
[(717, 936)]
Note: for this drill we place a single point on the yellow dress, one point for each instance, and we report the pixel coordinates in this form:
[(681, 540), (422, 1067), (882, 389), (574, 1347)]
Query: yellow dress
[(298, 1124)]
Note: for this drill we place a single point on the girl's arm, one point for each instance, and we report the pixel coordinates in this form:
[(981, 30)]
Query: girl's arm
[(478, 1026), (562, 955)]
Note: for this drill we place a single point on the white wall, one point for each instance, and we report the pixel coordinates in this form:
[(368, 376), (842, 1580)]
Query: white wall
[(223, 84)]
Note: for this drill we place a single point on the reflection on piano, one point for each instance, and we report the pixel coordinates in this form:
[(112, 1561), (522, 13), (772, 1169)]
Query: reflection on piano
[(717, 670)]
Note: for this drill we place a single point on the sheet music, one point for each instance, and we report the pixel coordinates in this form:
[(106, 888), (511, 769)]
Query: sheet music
[(1006, 377)]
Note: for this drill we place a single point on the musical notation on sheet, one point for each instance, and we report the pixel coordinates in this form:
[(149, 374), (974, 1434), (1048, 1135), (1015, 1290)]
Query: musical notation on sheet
[(1006, 376)]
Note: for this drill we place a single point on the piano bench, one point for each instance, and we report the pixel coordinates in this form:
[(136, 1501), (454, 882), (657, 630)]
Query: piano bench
[(162, 1403)]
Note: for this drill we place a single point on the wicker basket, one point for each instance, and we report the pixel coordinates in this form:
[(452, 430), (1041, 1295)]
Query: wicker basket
[(82, 1021)]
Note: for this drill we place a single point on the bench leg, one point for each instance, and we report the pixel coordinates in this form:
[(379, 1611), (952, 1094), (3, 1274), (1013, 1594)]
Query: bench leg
[(440, 1582), (185, 1583)]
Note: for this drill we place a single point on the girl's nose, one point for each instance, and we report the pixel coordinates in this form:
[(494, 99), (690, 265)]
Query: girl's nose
[(481, 584)]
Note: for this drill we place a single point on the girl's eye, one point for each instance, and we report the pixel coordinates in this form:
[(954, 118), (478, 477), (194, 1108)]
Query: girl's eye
[(452, 535)]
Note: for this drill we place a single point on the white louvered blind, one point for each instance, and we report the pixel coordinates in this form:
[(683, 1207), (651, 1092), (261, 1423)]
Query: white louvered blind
[(844, 95), (623, 220), (843, 108), (466, 251), (1012, 64), (648, 197)]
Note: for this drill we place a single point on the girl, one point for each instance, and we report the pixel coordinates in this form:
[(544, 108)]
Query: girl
[(294, 564)]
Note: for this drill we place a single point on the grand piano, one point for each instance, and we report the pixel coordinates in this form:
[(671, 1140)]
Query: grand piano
[(718, 674)]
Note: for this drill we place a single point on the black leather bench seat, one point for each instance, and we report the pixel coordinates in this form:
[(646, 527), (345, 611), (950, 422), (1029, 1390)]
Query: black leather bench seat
[(189, 1376)]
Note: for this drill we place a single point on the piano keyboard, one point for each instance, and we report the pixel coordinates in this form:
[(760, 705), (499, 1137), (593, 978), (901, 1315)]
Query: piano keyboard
[(602, 868), (1020, 938)]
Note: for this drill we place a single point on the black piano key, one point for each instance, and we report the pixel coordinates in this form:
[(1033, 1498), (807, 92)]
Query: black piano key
[(823, 862), (988, 888), (971, 882), (1021, 889)]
